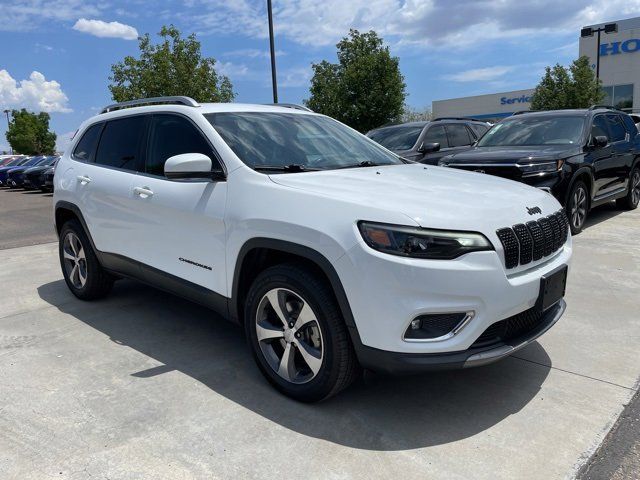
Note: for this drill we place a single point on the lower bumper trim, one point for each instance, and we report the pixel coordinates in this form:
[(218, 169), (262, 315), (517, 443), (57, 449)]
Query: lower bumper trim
[(383, 361)]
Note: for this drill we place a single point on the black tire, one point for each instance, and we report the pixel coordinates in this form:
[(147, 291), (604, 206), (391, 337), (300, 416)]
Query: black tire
[(631, 200), (339, 365), (577, 213), (97, 282)]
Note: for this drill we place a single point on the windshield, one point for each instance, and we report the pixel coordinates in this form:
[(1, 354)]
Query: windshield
[(32, 162), (397, 138), (278, 140), (534, 130)]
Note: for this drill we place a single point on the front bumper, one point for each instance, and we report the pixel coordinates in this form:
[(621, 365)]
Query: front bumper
[(406, 363)]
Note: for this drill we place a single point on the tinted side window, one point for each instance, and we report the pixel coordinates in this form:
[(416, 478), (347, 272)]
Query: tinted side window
[(436, 134), (173, 135), (458, 135), (618, 132), (631, 127), (121, 142), (599, 127), (478, 129), (86, 148)]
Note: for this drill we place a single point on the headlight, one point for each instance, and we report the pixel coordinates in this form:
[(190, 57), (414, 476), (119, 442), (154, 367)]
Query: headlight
[(421, 242), (541, 167)]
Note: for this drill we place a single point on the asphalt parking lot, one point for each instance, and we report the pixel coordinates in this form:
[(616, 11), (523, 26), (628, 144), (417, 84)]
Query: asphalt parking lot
[(25, 218), (144, 384)]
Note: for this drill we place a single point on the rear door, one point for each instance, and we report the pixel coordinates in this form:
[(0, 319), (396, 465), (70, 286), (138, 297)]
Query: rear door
[(178, 225), (103, 180), (620, 165)]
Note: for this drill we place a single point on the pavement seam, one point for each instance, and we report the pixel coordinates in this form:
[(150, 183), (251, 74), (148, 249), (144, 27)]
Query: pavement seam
[(632, 389)]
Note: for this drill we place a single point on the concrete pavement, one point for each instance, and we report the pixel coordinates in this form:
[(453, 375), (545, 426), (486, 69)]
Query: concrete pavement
[(146, 385)]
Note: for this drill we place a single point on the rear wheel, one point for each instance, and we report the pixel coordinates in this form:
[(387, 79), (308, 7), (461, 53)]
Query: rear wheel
[(297, 334), (630, 202), (82, 272), (577, 206)]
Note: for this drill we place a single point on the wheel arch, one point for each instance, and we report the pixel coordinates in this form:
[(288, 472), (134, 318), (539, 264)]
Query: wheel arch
[(265, 252), (65, 211), (586, 175)]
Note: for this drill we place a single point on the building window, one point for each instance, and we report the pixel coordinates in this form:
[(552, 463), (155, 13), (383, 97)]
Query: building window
[(620, 96)]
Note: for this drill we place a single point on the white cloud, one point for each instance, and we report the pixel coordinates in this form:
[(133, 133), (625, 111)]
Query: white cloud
[(294, 77), (479, 74), (27, 15), (36, 93), (253, 53), (437, 23), (63, 141), (232, 69), (102, 29)]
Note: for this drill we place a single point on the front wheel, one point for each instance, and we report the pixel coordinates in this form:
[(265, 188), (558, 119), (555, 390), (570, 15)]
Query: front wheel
[(577, 206), (297, 334), (82, 271), (630, 202)]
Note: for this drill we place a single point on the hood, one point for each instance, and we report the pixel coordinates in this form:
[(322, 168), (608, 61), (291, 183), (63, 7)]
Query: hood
[(433, 197), (38, 168), (488, 155)]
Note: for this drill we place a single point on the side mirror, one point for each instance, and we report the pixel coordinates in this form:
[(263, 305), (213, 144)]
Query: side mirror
[(429, 147), (600, 141), (189, 165)]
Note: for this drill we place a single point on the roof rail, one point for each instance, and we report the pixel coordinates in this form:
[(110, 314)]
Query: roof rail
[(188, 101), (607, 107), (458, 118), (295, 106)]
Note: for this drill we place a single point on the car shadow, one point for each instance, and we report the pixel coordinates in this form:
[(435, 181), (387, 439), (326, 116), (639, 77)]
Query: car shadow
[(601, 214), (376, 413)]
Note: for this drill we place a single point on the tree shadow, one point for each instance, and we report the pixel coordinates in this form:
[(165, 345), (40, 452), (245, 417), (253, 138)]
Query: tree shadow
[(376, 413)]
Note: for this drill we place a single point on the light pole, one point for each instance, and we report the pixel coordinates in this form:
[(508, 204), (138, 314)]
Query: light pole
[(273, 53), (588, 32), (6, 111)]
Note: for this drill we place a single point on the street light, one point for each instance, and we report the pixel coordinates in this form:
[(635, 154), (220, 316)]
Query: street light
[(8, 125), (588, 32), (273, 53)]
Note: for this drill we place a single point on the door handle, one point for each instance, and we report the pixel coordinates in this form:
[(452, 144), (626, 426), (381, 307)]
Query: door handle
[(143, 192), (83, 179)]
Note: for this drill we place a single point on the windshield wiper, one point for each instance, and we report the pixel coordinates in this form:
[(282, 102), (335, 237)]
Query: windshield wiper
[(292, 168), (365, 163)]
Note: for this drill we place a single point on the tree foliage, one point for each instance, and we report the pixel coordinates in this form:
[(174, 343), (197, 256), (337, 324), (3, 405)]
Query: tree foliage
[(411, 114), (575, 87), (29, 134), (175, 66), (365, 89)]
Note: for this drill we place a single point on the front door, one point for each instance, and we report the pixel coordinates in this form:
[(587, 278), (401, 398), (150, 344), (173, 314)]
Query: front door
[(179, 223)]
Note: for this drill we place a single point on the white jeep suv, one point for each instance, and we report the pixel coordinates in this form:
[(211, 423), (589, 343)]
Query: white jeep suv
[(332, 252)]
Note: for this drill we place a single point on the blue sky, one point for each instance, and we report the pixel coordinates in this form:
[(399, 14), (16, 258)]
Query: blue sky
[(56, 55)]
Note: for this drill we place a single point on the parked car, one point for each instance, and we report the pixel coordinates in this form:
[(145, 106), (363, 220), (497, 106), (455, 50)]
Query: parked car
[(16, 162), (330, 251), (583, 157), (427, 142), (32, 176), (46, 179), (15, 176)]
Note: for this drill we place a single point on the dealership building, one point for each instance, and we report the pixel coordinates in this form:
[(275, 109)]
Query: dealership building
[(619, 72)]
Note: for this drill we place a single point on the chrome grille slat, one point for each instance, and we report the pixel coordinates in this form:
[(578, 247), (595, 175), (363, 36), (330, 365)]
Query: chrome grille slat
[(523, 244)]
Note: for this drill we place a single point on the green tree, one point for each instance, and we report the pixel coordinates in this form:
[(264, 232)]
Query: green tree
[(29, 134), (365, 89), (175, 66), (575, 87)]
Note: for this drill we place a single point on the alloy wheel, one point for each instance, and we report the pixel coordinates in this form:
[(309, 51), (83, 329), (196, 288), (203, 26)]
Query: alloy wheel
[(578, 207), (635, 187), (289, 335), (75, 261)]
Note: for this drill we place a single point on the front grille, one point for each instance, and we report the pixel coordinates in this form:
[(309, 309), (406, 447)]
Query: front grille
[(523, 244), (510, 328)]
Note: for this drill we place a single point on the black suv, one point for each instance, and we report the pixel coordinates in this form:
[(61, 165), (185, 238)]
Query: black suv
[(428, 142), (583, 157)]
